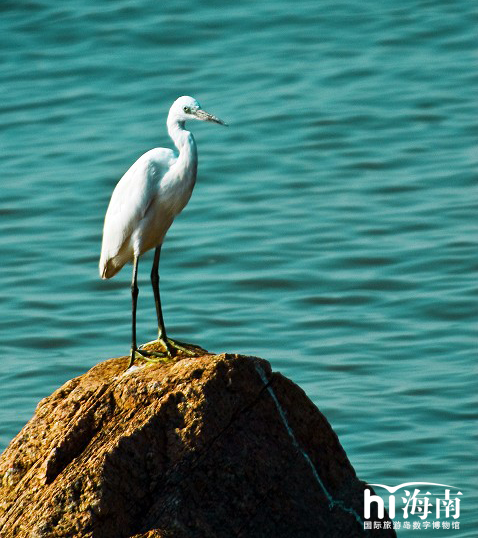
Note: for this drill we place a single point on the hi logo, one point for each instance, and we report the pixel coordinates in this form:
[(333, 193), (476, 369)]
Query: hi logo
[(423, 504)]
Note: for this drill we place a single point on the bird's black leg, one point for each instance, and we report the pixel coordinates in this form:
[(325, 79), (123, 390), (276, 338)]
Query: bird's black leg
[(134, 296), (145, 354), (170, 345), (157, 300)]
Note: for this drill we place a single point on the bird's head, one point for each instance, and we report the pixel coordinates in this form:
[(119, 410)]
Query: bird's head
[(187, 108)]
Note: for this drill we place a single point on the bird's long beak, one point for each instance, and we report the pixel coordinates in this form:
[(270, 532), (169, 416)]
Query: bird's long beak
[(205, 116)]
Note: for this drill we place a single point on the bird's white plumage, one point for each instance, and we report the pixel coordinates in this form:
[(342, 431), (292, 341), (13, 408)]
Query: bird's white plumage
[(151, 193), (128, 211)]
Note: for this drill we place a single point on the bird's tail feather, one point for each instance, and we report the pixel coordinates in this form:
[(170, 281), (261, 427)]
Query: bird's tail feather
[(108, 268)]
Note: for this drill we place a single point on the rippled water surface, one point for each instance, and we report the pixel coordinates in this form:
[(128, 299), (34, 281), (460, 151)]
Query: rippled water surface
[(332, 229)]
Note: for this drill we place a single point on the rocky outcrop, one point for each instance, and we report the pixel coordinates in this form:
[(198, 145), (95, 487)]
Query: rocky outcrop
[(211, 446)]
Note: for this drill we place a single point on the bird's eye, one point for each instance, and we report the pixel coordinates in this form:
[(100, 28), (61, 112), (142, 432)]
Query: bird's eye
[(187, 110)]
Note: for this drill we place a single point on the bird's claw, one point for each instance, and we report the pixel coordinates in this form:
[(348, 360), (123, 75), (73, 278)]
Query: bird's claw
[(153, 356), (188, 349), (169, 350), (172, 347), (148, 356)]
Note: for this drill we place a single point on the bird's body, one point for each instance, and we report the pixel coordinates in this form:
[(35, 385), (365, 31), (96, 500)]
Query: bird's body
[(150, 195), (143, 206)]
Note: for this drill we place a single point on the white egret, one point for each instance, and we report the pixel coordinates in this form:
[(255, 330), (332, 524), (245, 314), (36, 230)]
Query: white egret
[(143, 206)]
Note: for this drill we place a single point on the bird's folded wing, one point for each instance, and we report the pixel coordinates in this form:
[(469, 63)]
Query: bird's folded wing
[(131, 198)]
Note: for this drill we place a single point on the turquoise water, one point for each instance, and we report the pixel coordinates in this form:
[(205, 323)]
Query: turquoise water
[(332, 229)]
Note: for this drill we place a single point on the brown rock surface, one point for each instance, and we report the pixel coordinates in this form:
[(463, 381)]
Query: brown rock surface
[(212, 446)]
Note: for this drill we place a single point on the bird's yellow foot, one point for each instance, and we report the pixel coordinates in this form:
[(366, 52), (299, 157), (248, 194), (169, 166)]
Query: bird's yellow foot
[(148, 356), (173, 348), (153, 356)]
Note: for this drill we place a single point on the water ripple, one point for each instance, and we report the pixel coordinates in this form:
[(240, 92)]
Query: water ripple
[(332, 229)]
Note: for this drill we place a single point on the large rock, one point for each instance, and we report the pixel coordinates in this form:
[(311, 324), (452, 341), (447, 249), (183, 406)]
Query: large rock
[(212, 446)]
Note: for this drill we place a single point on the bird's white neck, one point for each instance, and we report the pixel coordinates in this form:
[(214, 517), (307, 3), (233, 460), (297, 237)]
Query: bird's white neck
[(185, 143), (181, 137)]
